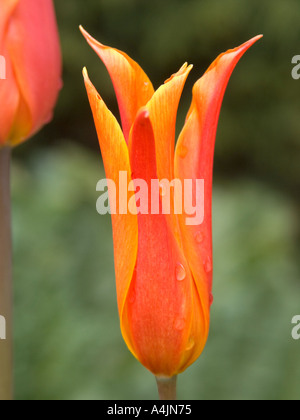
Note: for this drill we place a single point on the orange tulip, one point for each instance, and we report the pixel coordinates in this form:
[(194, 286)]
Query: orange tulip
[(163, 266), (29, 44)]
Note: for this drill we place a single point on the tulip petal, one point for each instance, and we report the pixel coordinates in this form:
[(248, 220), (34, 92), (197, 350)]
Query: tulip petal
[(194, 160), (125, 229), (132, 86), (163, 107), (6, 9), (9, 94), (160, 303), (33, 45)]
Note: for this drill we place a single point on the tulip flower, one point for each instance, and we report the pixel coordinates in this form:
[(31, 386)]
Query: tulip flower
[(163, 265), (29, 43), (30, 79)]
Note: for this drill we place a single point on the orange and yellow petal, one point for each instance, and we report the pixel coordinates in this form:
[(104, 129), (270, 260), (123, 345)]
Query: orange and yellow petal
[(132, 86), (160, 305), (194, 160), (116, 158), (163, 108)]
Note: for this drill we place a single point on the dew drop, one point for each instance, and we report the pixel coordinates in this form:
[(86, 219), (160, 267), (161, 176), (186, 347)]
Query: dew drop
[(183, 151), (211, 299), (208, 265), (179, 324), (180, 272), (191, 344), (199, 237)]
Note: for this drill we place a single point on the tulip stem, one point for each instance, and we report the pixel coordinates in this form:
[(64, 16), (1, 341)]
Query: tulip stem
[(6, 364), (167, 388)]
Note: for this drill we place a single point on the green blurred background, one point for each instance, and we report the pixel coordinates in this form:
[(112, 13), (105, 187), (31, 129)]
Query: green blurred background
[(67, 339)]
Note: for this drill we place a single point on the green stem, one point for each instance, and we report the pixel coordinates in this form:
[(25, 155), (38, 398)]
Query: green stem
[(6, 362), (167, 388)]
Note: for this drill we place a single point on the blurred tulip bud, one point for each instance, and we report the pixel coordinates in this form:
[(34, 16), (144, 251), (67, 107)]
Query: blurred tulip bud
[(31, 66)]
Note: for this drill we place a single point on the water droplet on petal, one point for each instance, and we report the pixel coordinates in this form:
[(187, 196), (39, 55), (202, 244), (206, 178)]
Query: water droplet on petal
[(208, 265), (199, 237), (211, 299), (191, 344), (180, 272), (183, 151), (146, 84), (179, 324)]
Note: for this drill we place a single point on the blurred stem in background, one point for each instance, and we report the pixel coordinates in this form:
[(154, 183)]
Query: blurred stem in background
[(6, 364), (167, 388)]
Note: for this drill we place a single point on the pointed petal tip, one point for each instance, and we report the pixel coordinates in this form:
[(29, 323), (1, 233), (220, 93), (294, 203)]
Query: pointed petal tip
[(258, 37), (142, 118), (89, 85), (184, 70), (251, 41), (86, 76), (143, 113), (187, 67), (238, 52), (84, 32), (184, 67), (85, 72), (90, 40), (245, 46)]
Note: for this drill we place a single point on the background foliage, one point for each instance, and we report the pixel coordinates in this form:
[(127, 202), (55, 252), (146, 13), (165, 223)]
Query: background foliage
[(68, 343)]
